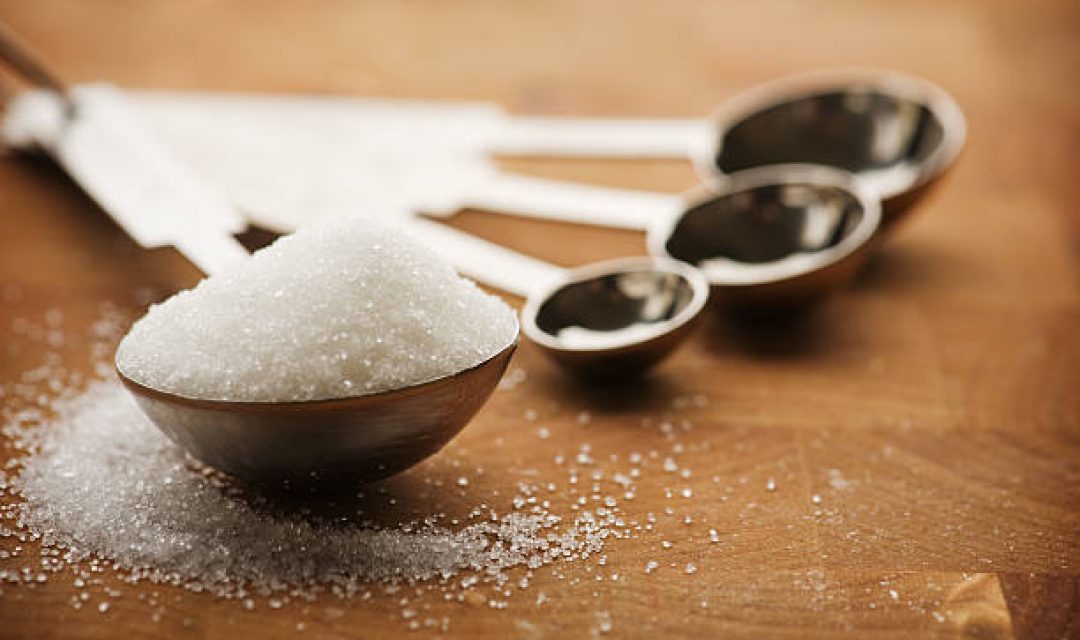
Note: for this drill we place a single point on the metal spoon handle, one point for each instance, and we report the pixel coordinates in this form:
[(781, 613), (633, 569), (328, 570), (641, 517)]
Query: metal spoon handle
[(571, 202), (19, 57), (603, 137), (485, 261)]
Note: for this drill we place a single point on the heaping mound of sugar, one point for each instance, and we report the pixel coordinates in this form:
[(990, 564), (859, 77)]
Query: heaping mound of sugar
[(332, 311)]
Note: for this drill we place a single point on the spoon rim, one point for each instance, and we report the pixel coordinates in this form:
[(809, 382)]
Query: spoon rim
[(811, 84), (323, 404), (699, 287), (660, 231)]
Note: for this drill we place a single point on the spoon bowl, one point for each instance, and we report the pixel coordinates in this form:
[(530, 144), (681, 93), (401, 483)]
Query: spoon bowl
[(616, 317), (356, 439), (895, 132), (773, 238)]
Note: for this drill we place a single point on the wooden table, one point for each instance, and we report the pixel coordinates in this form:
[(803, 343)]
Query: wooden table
[(922, 429)]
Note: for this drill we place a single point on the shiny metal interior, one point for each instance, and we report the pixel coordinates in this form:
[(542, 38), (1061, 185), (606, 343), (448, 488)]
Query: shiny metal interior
[(881, 136), (610, 310), (617, 317), (765, 223), (773, 238)]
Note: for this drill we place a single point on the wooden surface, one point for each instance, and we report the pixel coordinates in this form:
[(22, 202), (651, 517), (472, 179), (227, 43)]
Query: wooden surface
[(932, 407)]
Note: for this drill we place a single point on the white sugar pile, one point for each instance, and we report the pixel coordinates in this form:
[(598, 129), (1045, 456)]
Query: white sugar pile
[(103, 482), (332, 311)]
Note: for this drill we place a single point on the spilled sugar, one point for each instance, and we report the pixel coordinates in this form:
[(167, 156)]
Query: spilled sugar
[(331, 311), (104, 481), (91, 487)]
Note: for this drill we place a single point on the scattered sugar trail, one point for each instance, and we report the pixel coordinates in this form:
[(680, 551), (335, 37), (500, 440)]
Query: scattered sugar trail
[(104, 481), (335, 310)]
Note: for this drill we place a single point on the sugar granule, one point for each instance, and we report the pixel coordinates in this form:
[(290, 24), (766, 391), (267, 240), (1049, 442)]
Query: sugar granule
[(332, 311)]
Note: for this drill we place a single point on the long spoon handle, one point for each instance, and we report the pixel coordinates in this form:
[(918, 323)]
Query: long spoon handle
[(603, 137), (482, 260), (131, 174), (18, 55), (571, 202)]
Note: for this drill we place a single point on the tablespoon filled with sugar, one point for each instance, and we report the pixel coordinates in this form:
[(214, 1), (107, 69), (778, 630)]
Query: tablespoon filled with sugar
[(280, 420), (342, 353)]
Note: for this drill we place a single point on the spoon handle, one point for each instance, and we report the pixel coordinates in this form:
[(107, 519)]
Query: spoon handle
[(482, 260), (571, 202), (18, 55), (130, 173), (603, 137)]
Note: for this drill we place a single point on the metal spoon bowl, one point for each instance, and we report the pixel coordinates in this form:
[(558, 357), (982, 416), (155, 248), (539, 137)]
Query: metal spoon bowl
[(356, 439), (773, 238), (895, 132), (616, 317)]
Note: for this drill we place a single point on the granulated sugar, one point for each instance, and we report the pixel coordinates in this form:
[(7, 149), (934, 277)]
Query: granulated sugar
[(332, 311), (104, 481)]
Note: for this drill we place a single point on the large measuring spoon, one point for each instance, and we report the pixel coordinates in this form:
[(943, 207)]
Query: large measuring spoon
[(360, 438), (897, 132), (140, 185)]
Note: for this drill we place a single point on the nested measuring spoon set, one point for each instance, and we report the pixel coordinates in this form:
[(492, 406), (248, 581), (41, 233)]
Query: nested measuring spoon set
[(801, 178)]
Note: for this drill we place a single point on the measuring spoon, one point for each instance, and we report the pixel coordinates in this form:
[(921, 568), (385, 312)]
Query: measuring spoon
[(616, 317), (773, 238)]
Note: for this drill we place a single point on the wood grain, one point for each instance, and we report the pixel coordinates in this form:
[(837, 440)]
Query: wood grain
[(921, 431), (1043, 606)]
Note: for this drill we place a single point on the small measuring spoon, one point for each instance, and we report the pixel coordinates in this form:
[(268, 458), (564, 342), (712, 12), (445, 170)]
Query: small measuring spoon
[(616, 317), (773, 238)]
